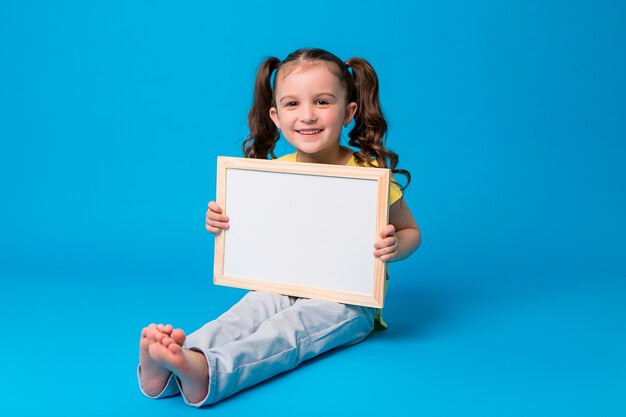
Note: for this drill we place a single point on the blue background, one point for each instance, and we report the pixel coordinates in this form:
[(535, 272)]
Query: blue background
[(511, 117)]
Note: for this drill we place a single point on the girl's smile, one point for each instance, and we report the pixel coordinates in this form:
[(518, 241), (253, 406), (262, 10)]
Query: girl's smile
[(309, 132)]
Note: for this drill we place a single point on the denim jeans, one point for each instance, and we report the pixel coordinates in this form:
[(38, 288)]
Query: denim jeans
[(265, 334)]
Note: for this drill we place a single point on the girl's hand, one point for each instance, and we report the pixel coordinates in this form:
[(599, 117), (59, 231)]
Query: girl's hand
[(387, 248), (215, 220)]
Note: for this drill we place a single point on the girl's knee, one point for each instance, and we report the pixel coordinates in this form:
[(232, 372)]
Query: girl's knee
[(362, 325), (368, 315), (265, 296)]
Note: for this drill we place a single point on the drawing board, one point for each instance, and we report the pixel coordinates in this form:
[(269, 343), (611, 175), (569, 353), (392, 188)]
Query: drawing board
[(302, 229)]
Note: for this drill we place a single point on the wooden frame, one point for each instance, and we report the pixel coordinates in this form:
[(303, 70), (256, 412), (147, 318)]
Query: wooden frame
[(302, 229)]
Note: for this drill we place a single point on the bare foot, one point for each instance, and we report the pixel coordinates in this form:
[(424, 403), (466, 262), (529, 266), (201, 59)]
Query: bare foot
[(153, 376), (189, 365)]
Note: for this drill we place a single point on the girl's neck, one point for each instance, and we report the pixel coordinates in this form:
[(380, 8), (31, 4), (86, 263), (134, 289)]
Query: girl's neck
[(338, 156)]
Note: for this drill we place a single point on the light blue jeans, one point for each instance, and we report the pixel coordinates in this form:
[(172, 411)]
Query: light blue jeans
[(265, 334)]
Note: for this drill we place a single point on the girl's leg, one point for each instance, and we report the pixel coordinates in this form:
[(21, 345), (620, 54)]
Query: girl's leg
[(240, 321), (289, 337)]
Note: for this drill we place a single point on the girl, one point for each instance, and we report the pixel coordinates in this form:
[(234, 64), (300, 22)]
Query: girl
[(314, 95)]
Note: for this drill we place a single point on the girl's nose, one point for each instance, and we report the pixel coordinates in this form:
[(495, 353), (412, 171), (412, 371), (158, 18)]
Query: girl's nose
[(308, 114)]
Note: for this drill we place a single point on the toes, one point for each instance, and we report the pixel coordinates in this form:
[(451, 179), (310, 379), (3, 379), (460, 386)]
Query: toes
[(151, 330), (149, 333), (166, 355), (152, 333), (167, 341), (179, 336), (164, 334)]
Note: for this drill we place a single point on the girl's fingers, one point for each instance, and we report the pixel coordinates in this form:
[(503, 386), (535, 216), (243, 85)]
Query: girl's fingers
[(216, 229), (213, 230), (216, 224), (215, 216), (390, 241), (385, 250), (388, 230), (389, 256), (214, 207), (215, 220)]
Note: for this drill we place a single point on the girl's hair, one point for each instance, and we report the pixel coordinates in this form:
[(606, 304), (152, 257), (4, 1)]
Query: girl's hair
[(361, 83)]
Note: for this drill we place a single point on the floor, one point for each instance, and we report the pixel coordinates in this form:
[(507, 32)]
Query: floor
[(458, 344)]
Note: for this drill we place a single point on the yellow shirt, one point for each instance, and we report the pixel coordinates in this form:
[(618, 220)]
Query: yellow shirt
[(395, 194)]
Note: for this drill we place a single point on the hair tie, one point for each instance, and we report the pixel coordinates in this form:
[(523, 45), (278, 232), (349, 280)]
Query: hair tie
[(349, 69)]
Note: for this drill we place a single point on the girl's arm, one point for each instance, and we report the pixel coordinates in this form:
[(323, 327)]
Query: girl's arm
[(401, 237)]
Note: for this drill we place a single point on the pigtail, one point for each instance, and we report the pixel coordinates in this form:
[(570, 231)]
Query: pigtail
[(263, 131), (370, 126)]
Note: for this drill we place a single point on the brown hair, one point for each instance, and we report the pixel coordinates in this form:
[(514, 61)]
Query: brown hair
[(370, 127)]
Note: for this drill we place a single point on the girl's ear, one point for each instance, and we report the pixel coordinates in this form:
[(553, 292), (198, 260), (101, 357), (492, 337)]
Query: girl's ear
[(274, 116), (350, 112)]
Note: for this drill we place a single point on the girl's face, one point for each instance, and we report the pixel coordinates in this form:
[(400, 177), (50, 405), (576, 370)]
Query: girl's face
[(311, 108)]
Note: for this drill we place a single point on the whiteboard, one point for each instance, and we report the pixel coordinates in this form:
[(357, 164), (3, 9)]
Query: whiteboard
[(302, 229)]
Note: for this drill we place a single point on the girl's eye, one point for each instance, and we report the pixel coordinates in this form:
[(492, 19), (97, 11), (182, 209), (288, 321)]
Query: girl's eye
[(322, 102), (291, 104)]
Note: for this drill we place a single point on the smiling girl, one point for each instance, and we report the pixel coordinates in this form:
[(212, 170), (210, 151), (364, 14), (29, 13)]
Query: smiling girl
[(315, 95)]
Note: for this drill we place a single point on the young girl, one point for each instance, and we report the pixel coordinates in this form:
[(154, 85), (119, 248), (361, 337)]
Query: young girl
[(314, 96)]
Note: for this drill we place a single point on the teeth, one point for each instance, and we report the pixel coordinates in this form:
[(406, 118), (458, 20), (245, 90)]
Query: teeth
[(310, 132)]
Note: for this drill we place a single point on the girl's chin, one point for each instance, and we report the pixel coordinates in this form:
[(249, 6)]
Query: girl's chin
[(310, 150), (312, 146)]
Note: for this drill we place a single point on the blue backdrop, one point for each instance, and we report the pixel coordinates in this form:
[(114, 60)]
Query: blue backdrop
[(511, 117)]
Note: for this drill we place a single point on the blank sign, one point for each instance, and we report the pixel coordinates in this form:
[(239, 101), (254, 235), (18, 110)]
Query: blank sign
[(301, 229)]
